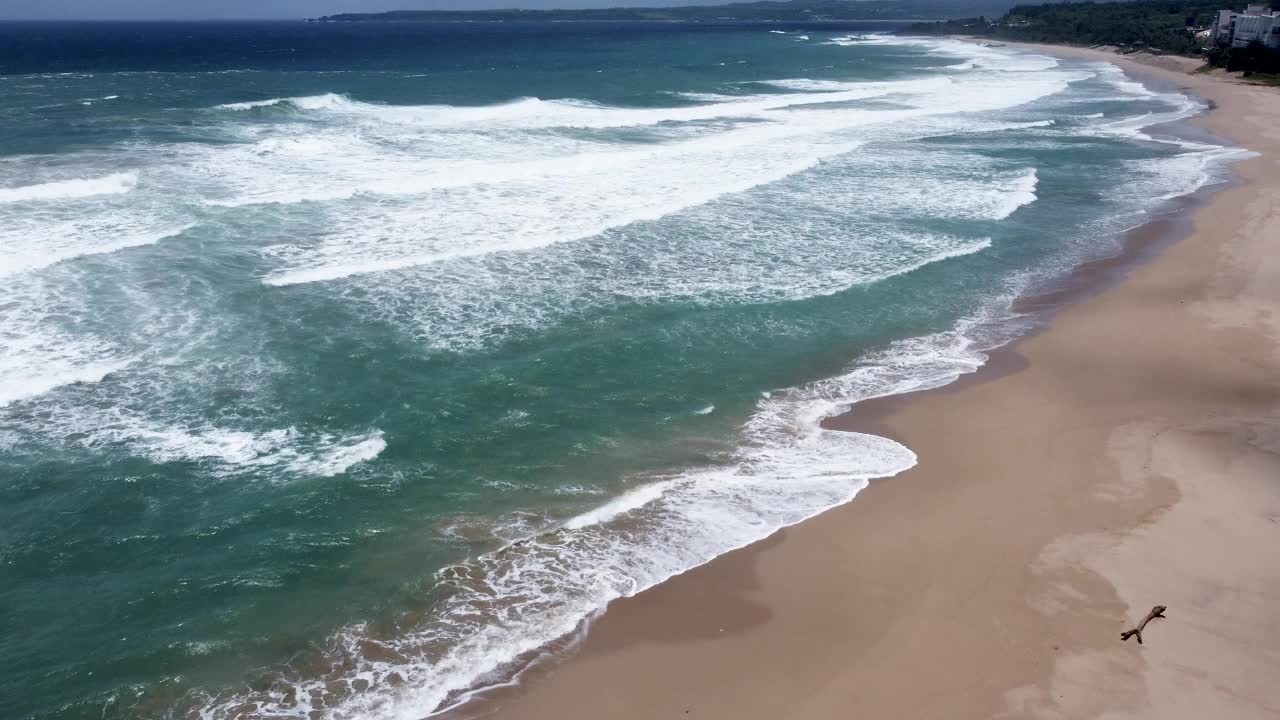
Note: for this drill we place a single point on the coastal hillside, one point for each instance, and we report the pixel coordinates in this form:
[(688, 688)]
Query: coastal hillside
[(764, 11), (1170, 26)]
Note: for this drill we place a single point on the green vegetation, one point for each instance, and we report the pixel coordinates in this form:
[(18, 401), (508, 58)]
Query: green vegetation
[(1253, 59), (765, 11), (1163, 26)]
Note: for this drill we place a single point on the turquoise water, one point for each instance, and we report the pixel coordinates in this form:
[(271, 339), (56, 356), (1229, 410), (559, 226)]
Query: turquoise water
[(342, 367)]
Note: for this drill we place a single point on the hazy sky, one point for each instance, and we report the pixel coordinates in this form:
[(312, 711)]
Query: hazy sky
[(195, 9)]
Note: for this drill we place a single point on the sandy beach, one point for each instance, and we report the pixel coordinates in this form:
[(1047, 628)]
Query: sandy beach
[(1126, 456)]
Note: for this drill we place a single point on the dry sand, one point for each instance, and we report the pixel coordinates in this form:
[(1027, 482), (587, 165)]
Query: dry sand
[(1127, 456)]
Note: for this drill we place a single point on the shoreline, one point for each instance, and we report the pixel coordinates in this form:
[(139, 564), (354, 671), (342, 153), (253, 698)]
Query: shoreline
[(1060, 494)]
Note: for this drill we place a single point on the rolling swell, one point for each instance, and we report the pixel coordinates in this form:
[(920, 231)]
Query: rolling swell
[(577, 195), (786, 468), (369, 346), (115, 184)]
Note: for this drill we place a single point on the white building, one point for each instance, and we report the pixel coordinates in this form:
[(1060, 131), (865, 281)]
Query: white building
[(1223, 26), (1263, 28), (1257, 22)]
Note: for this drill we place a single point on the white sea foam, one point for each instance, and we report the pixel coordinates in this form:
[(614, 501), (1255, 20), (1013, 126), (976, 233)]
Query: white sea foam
[(808, 85), (113, 184), (30, 243), (288, 449), (440, 309), (986, 58), (340, 165), (285, 453), (741, 253), (1167, 178), (48, 337), (34, 361), (89, 359), (528, 113), (46, 341), (1183, 174), (709, 97), (1117, 78), (327, 101), (579, 490), (969, 249), (479, 208), (1174, 106), (627, 502), (523, 212), (528, 213), (510, 602), (251, 104), (868, 39), (37, 357), (1022, 193)]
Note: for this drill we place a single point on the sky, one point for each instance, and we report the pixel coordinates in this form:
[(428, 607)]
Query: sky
[(210, 9)]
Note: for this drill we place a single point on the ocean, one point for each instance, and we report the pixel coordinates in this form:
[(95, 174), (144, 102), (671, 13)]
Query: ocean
[(347, 369)]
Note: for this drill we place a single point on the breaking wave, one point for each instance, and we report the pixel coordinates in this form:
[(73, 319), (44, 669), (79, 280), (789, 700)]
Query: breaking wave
[(510, 602), (114, 184), (459, 226)]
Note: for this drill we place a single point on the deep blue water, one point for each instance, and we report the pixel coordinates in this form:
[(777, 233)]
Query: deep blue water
[(56, 47), (340, 365)]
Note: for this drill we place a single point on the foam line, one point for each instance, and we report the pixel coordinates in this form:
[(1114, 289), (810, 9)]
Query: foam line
[(529, 113), (788, 470), (453, 224), (32, 365), (113, 184), (26, 248), (578, 197)]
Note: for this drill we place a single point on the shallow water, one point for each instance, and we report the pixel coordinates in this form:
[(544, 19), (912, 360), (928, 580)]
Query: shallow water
[(342, 365)]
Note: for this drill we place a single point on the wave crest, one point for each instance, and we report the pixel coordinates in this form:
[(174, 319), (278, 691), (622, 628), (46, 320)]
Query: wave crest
[(326, 101), (505, 604), (113, 184)]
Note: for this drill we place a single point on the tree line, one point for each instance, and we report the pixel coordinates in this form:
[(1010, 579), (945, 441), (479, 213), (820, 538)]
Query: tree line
[(1164, 26)]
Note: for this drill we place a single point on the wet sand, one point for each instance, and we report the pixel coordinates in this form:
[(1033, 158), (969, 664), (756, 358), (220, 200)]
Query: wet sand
[(1125, 456)]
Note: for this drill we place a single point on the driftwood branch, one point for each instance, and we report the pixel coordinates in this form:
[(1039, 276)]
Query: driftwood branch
[(1156, 612)]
